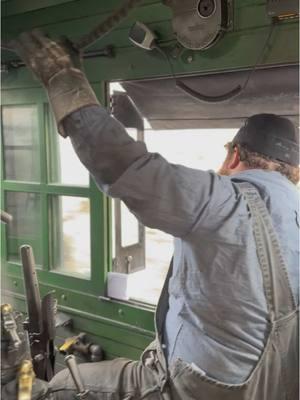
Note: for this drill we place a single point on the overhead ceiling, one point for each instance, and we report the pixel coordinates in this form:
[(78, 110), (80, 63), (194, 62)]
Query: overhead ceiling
[(272, 90)]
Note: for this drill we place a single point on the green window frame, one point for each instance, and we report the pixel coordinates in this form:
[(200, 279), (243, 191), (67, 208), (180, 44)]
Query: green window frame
[(79, 296)]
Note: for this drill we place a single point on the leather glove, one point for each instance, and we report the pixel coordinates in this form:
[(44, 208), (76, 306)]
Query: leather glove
[(53, 64)]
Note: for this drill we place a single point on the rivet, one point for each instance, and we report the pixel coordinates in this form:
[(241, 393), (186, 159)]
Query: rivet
[(15, 283), (63, 297), (120, 311)]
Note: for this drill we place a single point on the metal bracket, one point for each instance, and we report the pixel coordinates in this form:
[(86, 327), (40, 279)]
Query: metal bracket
[(107, 51)]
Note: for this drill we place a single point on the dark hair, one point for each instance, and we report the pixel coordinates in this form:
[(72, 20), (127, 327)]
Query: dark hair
[(260, 161)]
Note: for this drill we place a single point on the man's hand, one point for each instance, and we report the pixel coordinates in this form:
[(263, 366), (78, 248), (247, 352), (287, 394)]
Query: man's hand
[(42, 55), (57, 66)]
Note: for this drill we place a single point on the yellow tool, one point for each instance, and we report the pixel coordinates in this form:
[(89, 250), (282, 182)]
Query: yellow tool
[(26, 377), (69, 343), (79, 344)]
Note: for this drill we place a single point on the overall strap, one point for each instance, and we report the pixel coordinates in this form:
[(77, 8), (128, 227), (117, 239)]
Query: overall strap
[(163, 303), (278, 292), (160, 317)]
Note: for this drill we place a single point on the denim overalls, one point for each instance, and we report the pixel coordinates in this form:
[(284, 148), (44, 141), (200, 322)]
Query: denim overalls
[(275, 376)]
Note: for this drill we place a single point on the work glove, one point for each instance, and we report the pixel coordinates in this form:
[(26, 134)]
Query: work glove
[(57, 66)]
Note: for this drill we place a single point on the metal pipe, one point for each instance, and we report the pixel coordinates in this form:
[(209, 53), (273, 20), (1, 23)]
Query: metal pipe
[(75, 373)]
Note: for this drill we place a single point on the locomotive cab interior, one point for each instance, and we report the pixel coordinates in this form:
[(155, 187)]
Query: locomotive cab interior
[(185, 96)]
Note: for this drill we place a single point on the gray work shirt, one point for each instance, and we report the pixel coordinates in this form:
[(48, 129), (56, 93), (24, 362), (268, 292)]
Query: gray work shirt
[(217, 316)]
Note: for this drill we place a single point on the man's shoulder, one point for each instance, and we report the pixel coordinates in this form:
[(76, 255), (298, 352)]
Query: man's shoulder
[(228, 209), (270, 184)]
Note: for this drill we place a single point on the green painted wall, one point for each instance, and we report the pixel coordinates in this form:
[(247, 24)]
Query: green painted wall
[(123, 329), (238, 49)]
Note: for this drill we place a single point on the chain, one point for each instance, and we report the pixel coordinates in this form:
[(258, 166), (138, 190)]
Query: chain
[(107, 25)]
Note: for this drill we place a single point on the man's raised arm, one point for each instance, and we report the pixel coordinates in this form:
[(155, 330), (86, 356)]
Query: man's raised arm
[(161, 195)]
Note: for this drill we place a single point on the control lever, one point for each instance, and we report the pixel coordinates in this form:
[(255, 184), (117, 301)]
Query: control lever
[(74, 371)]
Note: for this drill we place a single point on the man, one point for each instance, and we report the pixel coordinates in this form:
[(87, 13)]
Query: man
[(227, 318)]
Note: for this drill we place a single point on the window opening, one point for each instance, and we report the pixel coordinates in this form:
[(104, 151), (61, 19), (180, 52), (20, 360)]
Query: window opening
[(128, 232), (201, 149)]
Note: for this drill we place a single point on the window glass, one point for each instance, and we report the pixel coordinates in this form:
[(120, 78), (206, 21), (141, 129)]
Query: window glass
[(21, 143), (65, 167), (70, 218), (26, 226)]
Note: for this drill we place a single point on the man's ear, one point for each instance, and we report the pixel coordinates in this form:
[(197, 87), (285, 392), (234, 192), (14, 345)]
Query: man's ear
[(235, 159)]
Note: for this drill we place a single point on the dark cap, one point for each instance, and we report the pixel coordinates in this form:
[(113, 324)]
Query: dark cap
[(270, 135)]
